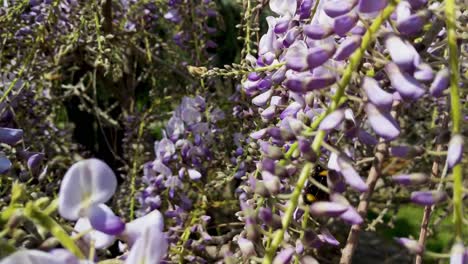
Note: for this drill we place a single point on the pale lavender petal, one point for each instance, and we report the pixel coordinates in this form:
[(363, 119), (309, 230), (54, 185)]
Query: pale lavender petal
[(100, 240), (284, 7), (401, 52), (150, 247), (351, 176), (31, 257), (285, 256), (194, 174), (423, 73), (457, 254), (330, 209), (258, 134), (411, 179), (440, 83), (382, 122), (246, 247), (296, 56), (333, 120), (455, 150), (334, 8), (86, 183), (328, 238), (137, 227), (428, 198), (377, 95), (412, 245)]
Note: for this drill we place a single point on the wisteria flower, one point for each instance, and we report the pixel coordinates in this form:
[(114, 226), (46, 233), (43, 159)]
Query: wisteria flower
[(86, 186)]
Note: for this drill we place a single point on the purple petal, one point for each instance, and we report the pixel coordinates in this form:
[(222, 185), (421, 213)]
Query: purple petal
[(371, 6), (262, 99), (100, 240), (457, 254), (104, 220), (377, 95), (455, 150), (410, 179), (284, 7), (5, 164), (318, 55), (328, 238), (10, 136), (317, 31), (440, 83), (382, 122), (258, 134), (416, 4), (150, 247), (194, 174), (366, 138), (407, 152), (86, 183), (424, 73), (31, 257), (330, 209), (401, 52), (296, 56), (334, 8), (246, 247), (351, 176), (412, 245), (343, 24), (333, 120), (137, 227), (428, 198), (348, 47), (408, 87), (412, 24), (285, 256)]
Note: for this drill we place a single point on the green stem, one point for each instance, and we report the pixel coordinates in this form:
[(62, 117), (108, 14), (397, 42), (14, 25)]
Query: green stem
[(39, 218), (450, 7), (293, 202), (352, 67)]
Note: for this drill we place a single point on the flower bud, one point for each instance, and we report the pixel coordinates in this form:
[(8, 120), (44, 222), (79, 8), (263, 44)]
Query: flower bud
[(336, 8), (401, 52), (407, 152), (318, 55), (412, 245), (285, 256), (458, 254), (412, 24), (246, 247), (371, 6), (428, 198), (406, 85), (330, 209), (317, 31), (262, 99), (440, 83), (410, 179), (377, 95), (332, 121), (423, 73), (344, 23), (455, 150), (348, 47), (10, 136), (382, 122)]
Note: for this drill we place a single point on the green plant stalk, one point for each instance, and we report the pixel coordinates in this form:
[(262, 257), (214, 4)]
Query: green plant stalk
[(293, 202), (352, 67), (450, 7), (45, 221)]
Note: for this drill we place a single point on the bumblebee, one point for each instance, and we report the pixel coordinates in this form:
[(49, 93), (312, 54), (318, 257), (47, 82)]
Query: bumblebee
[(311, 192)]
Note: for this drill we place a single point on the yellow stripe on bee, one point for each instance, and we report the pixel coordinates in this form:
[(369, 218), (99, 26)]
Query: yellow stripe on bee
[(310, 197), (324, 173)]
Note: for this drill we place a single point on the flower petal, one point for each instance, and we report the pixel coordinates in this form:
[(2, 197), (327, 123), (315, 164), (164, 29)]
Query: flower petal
[(137, 227), (10, 136), (455, 150), (377, 95), (87, 182), (104, 220), (382, 122), (100, 239), (428, 198), (150, 247), (333, 120)]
